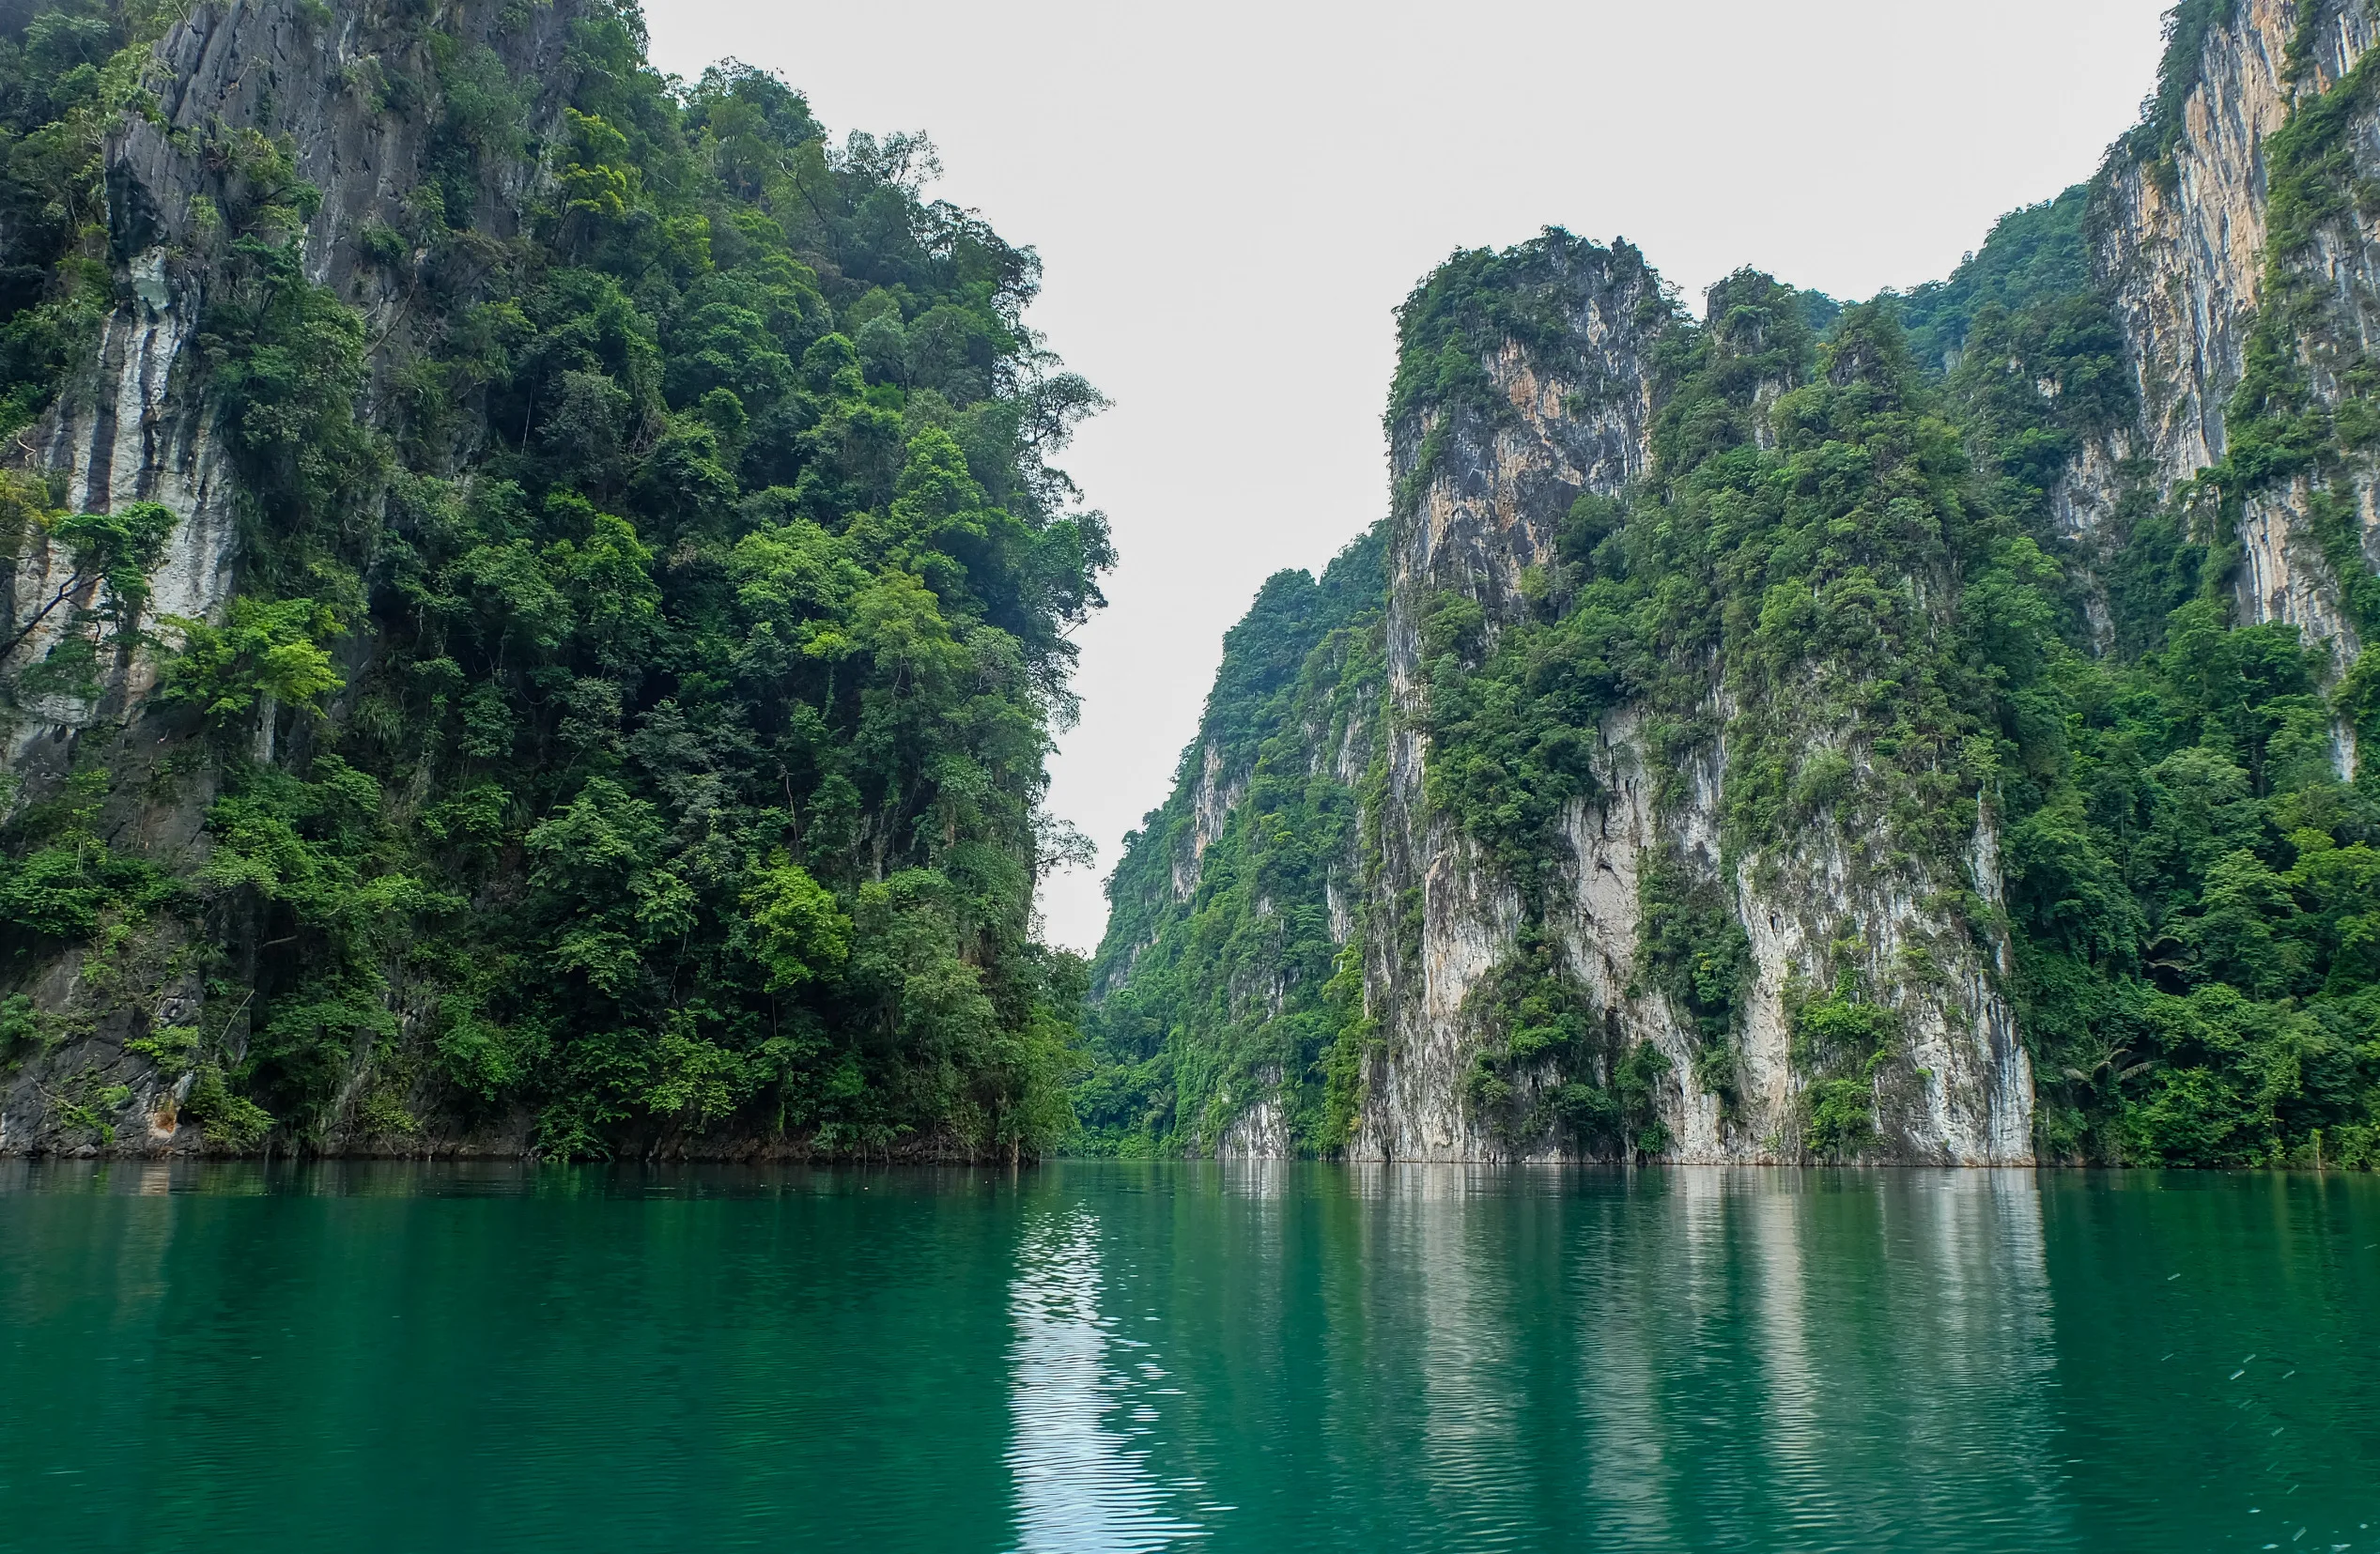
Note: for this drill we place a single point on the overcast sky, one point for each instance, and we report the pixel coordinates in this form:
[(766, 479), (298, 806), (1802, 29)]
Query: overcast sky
[(1230, 197)]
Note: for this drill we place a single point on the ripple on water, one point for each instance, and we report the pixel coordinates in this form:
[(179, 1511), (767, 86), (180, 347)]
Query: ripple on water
[(1079, 1456)]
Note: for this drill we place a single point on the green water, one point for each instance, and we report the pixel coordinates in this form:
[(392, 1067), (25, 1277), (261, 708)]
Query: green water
[(1117, 1357)]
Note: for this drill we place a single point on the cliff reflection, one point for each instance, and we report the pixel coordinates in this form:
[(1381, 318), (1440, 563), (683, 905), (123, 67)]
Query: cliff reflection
[(1649, 1360)]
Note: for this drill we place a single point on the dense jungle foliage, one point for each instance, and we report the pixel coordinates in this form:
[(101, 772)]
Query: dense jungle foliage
[(66, 73), (1246, 986), (1851, 515), (634, 710)]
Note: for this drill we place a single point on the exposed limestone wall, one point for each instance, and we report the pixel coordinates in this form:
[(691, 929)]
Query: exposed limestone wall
[(2181, 248), (134, 430), (1261, 1129), (1958, 1090), (1212, 801), (1413, 1111), (1489, 509), (1961, 1092), (2185, 261), (2282, 575), (1604, 930)]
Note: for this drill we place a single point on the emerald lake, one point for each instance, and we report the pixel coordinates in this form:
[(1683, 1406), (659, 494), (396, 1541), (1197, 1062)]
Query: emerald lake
[(1119, 1356)]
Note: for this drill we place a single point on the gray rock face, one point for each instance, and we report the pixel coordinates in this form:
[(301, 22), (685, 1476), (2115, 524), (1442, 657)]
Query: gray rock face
[(1495, 493), (1487, 509), (2184, 255), (137, 424)]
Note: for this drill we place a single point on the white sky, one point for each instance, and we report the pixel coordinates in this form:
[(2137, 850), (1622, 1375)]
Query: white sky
[(1230, 197)]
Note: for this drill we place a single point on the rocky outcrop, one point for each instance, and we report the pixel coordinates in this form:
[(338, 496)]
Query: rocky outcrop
[(1489, 467), (1484, 510), (1559, 397), (1210, 805), (1486, 490), (2180, 238), (2180, 245), (137, 424)]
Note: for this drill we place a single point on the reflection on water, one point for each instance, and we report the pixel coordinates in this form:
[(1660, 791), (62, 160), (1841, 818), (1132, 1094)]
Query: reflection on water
[(1973, 1314), (1121, 1356), (1077, 1390), (1459, 1306), (1698, 1359), (1780, 1305)]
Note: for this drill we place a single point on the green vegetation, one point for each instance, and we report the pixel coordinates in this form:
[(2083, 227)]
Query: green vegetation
[(65, 78), (2186, 25), (2036, 253), (1842, 1040), (640, 723), (1848, 541), (631, 722), (1241, 987), (2279, 427), (2188, 873), (2193, 891)]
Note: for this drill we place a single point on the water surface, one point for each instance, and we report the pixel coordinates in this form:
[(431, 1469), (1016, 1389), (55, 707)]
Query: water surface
[(1144, 1356)]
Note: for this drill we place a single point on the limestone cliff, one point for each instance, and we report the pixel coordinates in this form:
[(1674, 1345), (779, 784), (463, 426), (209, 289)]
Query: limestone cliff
[(2181, 234), (1483, 512), (1492, 457), (1621, 916), (536, 608), (134, 423), (241, 105)]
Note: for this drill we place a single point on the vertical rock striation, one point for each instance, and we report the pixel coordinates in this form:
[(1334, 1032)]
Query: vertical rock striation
[(1492, 450), (621, 606), (2180, 243), (1483, 485), (1483, 489), (136, 424)]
